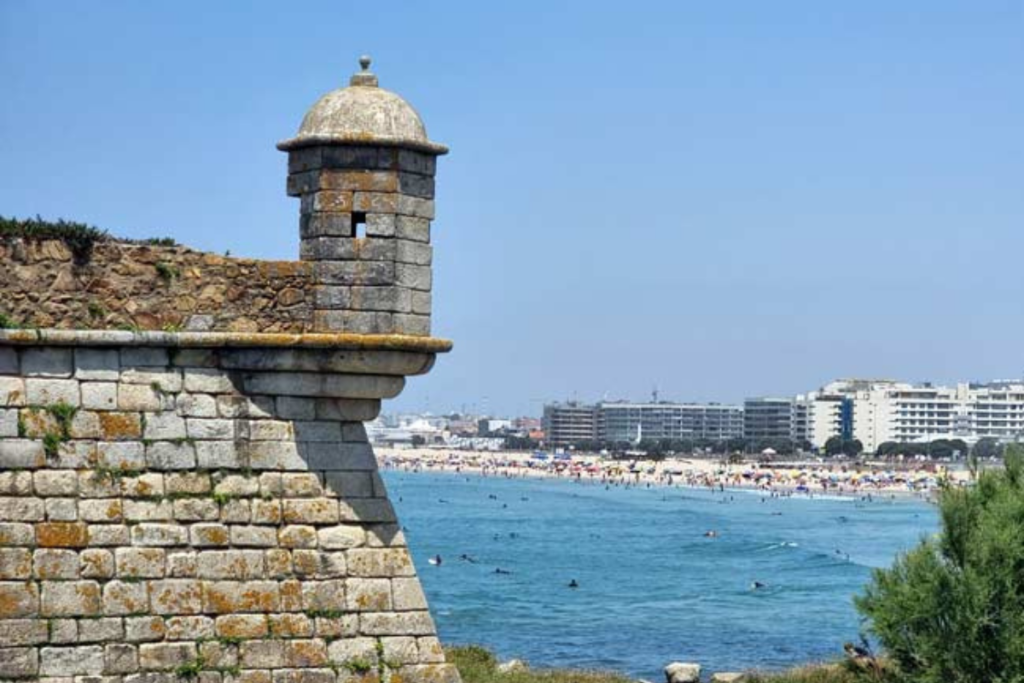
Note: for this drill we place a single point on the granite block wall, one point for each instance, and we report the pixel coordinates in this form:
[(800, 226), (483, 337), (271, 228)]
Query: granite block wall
[(203, 514)]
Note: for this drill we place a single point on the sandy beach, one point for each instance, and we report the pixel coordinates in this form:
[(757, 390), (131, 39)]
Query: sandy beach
[(809, 478)]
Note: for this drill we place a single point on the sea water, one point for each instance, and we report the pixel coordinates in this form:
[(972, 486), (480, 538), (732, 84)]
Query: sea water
[(652, 587)]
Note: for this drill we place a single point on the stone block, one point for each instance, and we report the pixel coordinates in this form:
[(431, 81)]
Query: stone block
[(240, 565), (363, 180), (164, 425), (15, 563), (418, 325), (422, 303), (18, 599), (47, 362), (205, 535), (270, 430), (291, 408), (354, 432), (208, 381), (148, 510), (242, 626), (99, 395), (346, 456), (218, 455), (8, 424), (101, 631), (368, 595), (48, 392), (360, 410), (297, 536), (413, 276), (242, 406), (147, 485), (61, 509), (190, 628), (415, 207), (196, 405), (274, 455), (17, 534), (120, 658), (15, 483), (144, 357), (349, 484), (56, 483), (327, 201), (380, 562), (408, 594), (416, 184), (12, 392), (62, 535), (261, 654), (235, 512), (160, 380), (101, 510), (22, 509), (227, 597), (325, 225), (412, 228), (20, 632), (124, 455), (196, 510), (390, 298), (8, 361), (207, 430), (301, 485), (63, 631), (396, 624), (138, 563), (96, 563), (254, 536), (140, 397), (187, 483), (106, 535), (50, 563), (170, 455), (159, 535), (364, 273), (166, 656), (97, 365), (380, 225), (311, 511), (71, 598), (183, 565), (141, 629), (84, 660), (418, 253), (176, 596)]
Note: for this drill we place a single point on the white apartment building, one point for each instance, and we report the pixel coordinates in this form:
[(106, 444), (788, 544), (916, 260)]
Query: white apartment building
[(886, 410)]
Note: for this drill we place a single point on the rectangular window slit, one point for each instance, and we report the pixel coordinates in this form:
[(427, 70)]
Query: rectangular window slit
[(359, 224)]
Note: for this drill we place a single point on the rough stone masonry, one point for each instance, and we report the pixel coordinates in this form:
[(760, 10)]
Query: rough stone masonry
[(204, 505)]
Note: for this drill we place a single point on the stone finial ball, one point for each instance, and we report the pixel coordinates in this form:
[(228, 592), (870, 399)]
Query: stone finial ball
[(365, 61)]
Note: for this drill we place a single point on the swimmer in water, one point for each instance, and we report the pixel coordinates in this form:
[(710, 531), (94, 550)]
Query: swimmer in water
[(757, 584), (573, 584), (466, 558), (435, 560), (499, 570), (711, 534)]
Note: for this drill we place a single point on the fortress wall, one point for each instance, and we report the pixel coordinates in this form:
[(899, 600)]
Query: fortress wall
[(202, 514), (114, 284)]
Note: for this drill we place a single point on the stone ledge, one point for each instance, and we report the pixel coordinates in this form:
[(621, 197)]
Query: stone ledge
[(215, 340)]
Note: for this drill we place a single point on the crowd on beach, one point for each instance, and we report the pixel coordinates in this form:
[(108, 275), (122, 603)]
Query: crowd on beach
[(816, 477)]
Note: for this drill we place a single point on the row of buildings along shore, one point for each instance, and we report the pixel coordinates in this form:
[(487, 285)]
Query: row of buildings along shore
[(867, 410)]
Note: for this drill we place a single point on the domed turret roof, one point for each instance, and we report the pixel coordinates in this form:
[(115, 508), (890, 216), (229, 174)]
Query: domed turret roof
[(363, 113)]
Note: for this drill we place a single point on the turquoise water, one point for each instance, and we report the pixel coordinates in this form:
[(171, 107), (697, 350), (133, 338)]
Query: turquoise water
[(652, 588)]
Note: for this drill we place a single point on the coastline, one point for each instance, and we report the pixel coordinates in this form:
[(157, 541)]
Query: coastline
[(802, 480)]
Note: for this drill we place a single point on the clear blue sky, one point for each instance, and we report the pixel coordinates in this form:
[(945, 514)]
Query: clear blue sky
[(722, 198)]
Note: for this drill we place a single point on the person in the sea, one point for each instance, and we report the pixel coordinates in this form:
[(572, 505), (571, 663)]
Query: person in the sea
[(573, 584), (757, 584), (435, 560)]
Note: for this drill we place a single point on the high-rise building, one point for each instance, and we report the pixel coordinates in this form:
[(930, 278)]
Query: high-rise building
[(569, 423), (622, 421), (768, 418)]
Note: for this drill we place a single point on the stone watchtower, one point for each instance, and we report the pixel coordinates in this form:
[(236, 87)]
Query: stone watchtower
[(364, 168), (187, 491)]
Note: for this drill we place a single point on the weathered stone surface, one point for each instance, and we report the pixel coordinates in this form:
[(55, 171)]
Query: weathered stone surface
[(680, 672)]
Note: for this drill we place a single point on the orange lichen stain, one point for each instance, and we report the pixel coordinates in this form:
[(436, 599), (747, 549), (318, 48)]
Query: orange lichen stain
[(114, 510), (15, 598), (290, 626), (120, 426), (62, 535), (215, 536), (257, 600), (291, 595), (243, 627), (304, 653)]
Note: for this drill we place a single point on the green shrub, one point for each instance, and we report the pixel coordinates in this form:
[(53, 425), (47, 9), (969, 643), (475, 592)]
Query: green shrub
[(952, 609)]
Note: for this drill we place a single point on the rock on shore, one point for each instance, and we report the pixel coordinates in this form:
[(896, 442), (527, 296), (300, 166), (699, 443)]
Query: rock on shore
[(681, 672)]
